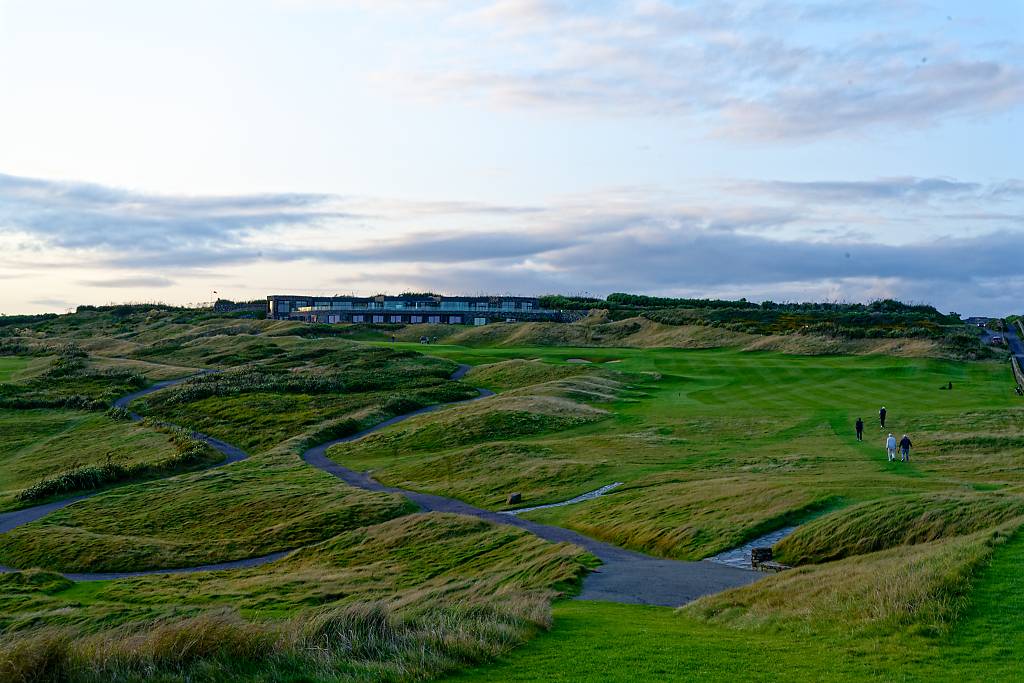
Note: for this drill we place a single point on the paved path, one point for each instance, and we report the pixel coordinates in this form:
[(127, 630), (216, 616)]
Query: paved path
[(1014, 342), (624, 576)]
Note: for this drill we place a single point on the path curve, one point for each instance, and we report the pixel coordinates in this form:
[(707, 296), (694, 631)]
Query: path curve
[(625, 576)]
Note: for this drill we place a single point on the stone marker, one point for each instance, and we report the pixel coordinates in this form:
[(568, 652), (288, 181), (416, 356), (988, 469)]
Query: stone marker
[(514, 499)]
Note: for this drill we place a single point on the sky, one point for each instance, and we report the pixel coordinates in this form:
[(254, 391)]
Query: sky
[(791, 150)]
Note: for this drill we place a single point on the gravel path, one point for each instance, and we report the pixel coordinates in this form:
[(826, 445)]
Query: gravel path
[(624, 576)]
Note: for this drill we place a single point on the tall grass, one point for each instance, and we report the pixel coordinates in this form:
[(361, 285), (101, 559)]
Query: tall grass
[(190, 453), (363, 641), (895, 521)]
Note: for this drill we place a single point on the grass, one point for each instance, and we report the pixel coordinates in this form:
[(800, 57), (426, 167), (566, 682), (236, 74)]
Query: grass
[(896, 521), (405, 599), (12, 366), (41, 444), (715, 447), (249, 508), (909, 570)]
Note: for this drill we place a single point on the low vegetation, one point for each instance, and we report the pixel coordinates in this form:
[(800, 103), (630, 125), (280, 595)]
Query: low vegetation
[(189, 454), (46, 452), (406, 599), (907, 570), (249, 508), (896, 521)]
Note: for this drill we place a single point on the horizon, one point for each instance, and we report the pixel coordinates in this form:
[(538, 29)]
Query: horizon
[(791, 151)]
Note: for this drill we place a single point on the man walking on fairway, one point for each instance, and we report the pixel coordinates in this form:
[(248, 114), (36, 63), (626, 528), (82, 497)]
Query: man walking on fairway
[(860, 429), (905, 448), (890, 447), (881, 416)]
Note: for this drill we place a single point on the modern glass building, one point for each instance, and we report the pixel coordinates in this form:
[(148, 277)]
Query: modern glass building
[(409, 309)]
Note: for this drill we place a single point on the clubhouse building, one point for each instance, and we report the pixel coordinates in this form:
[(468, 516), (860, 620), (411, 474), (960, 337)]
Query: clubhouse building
[(410, 309)]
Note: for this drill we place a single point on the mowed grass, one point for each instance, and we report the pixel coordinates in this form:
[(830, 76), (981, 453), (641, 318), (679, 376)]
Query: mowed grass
[(595, 641), (12, 366), (41, 443)]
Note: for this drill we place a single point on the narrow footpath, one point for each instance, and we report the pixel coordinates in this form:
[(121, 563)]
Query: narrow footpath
[(624, 576)]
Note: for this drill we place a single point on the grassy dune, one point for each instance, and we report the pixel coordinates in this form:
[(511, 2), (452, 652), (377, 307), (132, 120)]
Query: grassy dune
[(297, 389), (895, 521), (247, 509), (38, 444), (714, 447), (909, 571), (474, 451), (405, 599)]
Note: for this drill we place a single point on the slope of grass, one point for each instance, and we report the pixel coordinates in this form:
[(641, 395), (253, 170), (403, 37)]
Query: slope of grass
[(265, 403), (39, 444), (515, 373), (826, 629), (405, 599), (12, 366), (246, 509), (894, 521)]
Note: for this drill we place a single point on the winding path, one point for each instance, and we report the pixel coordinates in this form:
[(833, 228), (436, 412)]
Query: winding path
[(624, 576)]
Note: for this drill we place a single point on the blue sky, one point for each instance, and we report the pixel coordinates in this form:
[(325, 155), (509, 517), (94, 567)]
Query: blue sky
[(787, 150)]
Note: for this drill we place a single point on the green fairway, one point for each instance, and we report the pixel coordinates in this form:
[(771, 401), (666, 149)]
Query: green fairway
[(11, 367)]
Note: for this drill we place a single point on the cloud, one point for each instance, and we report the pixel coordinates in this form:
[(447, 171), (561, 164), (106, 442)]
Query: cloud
[(883, 189), (130, 281), (761, 70), (76, 215), (755, 236)]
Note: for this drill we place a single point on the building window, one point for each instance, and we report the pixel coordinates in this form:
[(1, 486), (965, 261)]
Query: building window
[(434, 319), (455, 319), (396, 318), (416, 319), (378, 318), (357, 318)]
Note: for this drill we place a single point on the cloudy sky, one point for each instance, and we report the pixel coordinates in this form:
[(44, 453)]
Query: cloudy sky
[(784, 149)]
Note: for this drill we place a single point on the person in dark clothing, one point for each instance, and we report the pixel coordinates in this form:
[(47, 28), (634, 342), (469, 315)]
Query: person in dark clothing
[(905, 448), (881, 416), (860, 429), (950, 387)]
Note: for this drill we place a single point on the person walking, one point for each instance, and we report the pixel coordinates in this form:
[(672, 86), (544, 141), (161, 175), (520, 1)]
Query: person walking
[(881, 416), (860, 429), (890, 447), (905, 448)]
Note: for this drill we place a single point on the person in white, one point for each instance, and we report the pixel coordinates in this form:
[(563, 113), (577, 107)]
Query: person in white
[(890, 447)]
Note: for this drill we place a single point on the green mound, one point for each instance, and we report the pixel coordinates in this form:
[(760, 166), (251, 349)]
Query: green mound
[(516, 373), (900, 520), (247, 509)]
